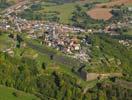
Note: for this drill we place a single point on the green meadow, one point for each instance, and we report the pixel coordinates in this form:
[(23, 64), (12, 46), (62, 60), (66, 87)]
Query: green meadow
[(7, 93), (65, 11)]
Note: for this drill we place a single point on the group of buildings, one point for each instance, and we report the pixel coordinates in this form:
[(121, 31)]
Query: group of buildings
[(58, 36), (55, 35)]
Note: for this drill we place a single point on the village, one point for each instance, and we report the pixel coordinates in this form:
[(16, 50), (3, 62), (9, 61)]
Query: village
[(59, 36), (64, 38), (65, 49)]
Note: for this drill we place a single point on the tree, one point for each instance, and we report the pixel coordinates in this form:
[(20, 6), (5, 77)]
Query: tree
[(44, 65), (51, 56), (78, 8), (19, 40)]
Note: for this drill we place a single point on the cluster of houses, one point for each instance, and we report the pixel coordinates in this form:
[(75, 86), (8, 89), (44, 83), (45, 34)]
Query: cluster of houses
[(60, 37), (127, 43), (113, 29), (54, 35), (57, 38), (57, 35)]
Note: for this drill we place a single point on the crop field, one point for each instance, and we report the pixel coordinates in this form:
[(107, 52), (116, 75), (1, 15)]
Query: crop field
[(99, 12), (65, 10), (57, 12)]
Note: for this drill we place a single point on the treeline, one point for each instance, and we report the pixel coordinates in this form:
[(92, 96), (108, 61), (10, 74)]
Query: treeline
[(33, 14), (81, 19)]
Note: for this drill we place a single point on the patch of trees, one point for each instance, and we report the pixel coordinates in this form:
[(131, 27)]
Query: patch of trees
[(120, 13), (36, 7), (81, 19), (109, 91), (107, 47), (30, 14), (89, 5), (24, 75)]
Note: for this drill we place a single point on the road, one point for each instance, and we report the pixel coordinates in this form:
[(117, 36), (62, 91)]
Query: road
[(17, 6)]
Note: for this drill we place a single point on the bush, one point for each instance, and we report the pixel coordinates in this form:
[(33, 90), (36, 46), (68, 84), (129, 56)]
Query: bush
[(17, 94)]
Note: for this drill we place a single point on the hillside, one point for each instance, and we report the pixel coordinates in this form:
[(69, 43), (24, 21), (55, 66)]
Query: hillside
[(54, 50), (43, 73)]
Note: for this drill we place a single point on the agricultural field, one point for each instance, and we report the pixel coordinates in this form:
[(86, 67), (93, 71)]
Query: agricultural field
[(65, 11), (102, 10), (100, 13), (54, 12)]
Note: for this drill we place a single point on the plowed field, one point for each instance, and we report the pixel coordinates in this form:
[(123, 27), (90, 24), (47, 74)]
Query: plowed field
[(102, 11)]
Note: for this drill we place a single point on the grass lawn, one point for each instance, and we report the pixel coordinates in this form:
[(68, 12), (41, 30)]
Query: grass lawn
[(6, 93)]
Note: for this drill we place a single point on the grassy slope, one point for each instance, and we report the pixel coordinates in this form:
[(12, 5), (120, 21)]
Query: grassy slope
[(65, 11), (5, 42), (7, 94), (59, 68)]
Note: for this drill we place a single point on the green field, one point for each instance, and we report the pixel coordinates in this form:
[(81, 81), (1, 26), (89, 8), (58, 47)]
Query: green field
[(55, 12), (5, 42), (64, 10), (7, 93)]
